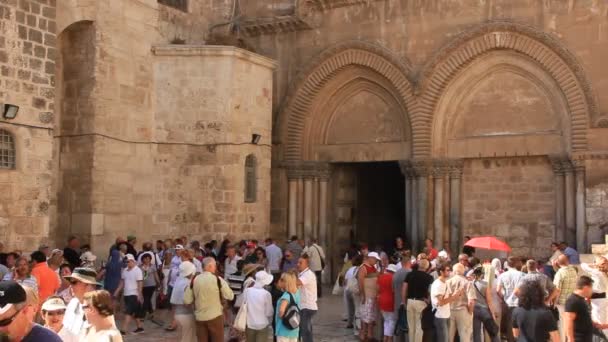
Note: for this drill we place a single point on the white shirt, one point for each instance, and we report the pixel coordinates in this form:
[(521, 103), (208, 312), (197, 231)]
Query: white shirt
[(130, 278), (315, 253), (198, 265), (308, 290), (350, 273), (600, 280), (274, 255), (74, 323), (439, 288), (230, 266), (259, 308)]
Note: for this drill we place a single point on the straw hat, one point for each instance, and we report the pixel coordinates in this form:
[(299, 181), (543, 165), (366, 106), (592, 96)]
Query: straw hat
[(84, 275)]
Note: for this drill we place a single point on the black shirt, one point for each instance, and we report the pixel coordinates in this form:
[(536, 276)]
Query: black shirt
[(583, 325), (71, 256), (468, 250), (40, 333), (418, 284), (534, 324)]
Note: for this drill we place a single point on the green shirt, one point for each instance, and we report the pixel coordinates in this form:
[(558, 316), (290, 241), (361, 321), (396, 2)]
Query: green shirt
[(206, 296), (565, 281)]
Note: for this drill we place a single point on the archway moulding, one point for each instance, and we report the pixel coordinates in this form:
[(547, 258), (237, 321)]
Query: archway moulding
[(421, 94)]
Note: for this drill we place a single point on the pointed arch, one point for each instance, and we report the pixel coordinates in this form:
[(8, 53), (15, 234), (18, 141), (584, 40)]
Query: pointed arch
[(293, 115), (540, 47)]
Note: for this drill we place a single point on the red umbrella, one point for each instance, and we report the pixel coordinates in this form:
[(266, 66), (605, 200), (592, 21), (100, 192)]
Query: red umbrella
[(488, 242)]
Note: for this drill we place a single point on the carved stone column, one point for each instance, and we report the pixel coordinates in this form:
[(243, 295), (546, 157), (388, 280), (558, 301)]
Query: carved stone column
[(560, 201), (308, 180), (455, 171), (570, 200), (423, 170), (406, 170), (293, 202), (315, 206), (438, 172), (581, 221), (324, 173)]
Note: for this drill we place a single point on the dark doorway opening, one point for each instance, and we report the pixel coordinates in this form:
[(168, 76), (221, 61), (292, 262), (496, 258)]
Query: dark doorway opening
[(380, 209)]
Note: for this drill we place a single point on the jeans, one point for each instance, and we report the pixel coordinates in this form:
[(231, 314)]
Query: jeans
[(319, 286), (507, 321), (349, 303), (148, 292), (306, 316), (442, 329), (480, 316), (462, 321), (414, 316), (257, 335)]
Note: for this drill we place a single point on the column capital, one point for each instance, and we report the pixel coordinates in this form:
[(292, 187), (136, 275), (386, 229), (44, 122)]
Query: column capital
[(307, 169), (578, 165), (559, 163), (407, 169), (455, 167), (422, 167), (441, 167)]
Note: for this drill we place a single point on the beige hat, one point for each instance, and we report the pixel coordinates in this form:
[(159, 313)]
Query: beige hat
[(250, 268), (53, 304), (130, 257), (85, 275), (88, 257)]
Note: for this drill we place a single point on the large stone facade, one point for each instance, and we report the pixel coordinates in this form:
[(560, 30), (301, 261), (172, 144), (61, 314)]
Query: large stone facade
[(496, 112)]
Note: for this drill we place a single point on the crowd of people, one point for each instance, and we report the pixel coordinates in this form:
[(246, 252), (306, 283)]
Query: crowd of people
[(250, 291)]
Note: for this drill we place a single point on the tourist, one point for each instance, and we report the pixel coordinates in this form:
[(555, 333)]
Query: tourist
[(350, 303), (231, 260), (55, 260), (131, 242), (398, 280), (294, 247), (441, 298), (207, 293), (184, 315), (3, 269), (99, 312), (22, 273), (550, 268), (87, 259), (599, 303), (549, 289), (131, 284), (288, 284), (170, 275), (18, 309), (82, 280), (274, 255), (532, 321), (289, 262), (64, 291), (259, 308), (468, 250), (71, 253), (565, 282), (53, 311), (431, 251), (147, 250), (483, 313), (307, 282), (570, 252), (415, 294), (368, 291), (505, 287), (398, 249), (113, 271), (316, 257), (461, 309), (386, 301), (47, 279), (463, 259), (151, 282), (578, 324)]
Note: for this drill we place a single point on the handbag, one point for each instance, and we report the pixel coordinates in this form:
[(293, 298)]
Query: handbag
[(337, 290), (240, 321), (352, 284), (291, 318)]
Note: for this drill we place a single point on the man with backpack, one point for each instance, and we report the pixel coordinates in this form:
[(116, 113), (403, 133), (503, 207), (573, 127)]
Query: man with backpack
[(208, 292)]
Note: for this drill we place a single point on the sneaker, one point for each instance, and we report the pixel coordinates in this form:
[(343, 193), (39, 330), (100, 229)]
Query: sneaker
[(138, 331)]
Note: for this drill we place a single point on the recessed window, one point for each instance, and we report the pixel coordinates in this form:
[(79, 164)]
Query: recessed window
[(7, 150), (251, 181), (181, 5)]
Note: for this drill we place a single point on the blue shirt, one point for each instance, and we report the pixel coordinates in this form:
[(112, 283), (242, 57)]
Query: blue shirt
[(572, 255), (281, 329), (40, 333)]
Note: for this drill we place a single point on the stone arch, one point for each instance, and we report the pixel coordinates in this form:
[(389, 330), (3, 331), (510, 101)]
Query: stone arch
[(292, 120), (544, 49)]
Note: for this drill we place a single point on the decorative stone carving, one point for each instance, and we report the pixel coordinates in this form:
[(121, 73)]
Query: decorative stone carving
[(323, 5), (455, 167), (559, 163), (602, 122), (46, 117), (307, 169), (423, 167), (265, 26)]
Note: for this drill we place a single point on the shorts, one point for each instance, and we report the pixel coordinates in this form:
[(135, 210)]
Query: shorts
[(368, 311), (133, 307), (390, 320)]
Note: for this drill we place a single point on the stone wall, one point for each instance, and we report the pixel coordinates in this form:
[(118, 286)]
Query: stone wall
[(27, 79), (597, 200), (513, 199)]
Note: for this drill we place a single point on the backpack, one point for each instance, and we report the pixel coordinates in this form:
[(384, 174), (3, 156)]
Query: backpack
[(352, 284), (291, 318)]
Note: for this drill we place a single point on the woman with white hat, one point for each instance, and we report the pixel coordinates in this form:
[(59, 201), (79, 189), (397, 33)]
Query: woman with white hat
[(53, 310), (259, 308), (183, 312), (386, 301)]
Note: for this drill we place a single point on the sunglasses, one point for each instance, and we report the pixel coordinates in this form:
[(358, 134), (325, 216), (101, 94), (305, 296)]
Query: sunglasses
[(74, 282), (8, 321), (55, 313)]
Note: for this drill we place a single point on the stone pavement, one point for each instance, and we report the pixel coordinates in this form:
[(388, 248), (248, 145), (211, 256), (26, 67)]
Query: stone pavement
[(328, 325)]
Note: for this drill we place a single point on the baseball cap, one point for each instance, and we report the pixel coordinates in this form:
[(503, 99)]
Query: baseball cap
[(391, 268), (373, 255), (179, 247), (11, 293), (130, 257), (53, 304)]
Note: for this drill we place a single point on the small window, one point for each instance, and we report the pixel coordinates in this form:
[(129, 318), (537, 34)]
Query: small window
[(251, 181), (7, 150), (181, 5)]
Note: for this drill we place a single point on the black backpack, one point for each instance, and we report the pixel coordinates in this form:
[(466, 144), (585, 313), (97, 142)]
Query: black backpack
[(291, 318)]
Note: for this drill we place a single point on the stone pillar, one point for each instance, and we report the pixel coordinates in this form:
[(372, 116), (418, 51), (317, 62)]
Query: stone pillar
[(415, 237), (324, 173), (300, 208), (407, 174), (308, 181), (560, 215), (293, 211), (581, 222), (315, 206), (455, 195), (570, 199), (438, 173), (422, 168)]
